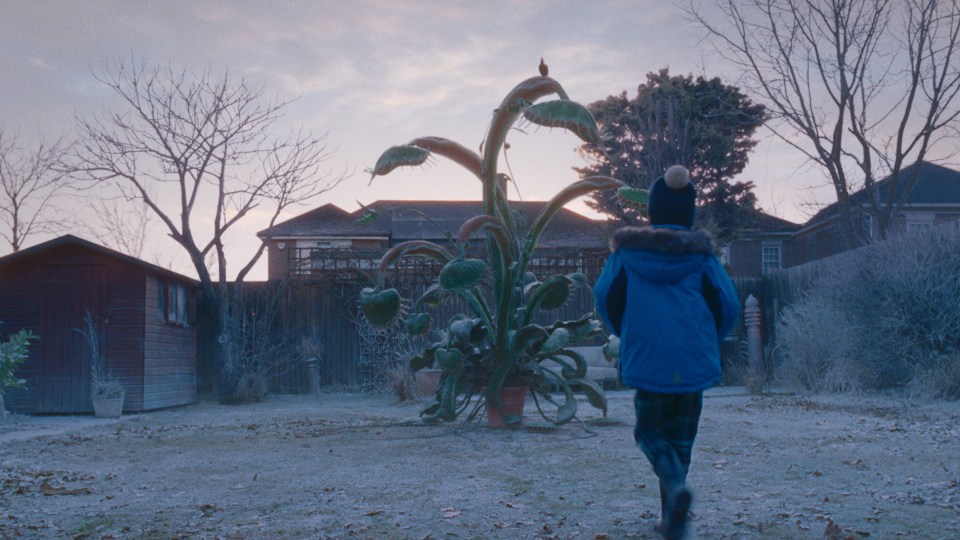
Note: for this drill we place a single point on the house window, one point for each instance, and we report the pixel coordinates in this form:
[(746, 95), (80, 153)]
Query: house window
[(919, 223), (866, 221), (771, 257), (331, 244)]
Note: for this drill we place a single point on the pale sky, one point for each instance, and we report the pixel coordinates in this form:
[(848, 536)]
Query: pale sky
[(371, 74)]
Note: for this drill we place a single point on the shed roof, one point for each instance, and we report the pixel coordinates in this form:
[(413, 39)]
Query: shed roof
[(71, 240)]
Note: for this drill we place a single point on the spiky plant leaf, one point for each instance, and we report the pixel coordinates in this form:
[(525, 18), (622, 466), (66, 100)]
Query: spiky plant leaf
[(399, 156), (568, 410), (585, 327), (575, 190), (632, 196), (566, 114), (430, 409), (380, 307), (418, 324), (558, 338), (530, 336), (552, 293), (461, 274), (414, 248), (452, 150), (579, 279), (423, 360), (579, 368), (480, 223), (463, 331), (611, 349), (594, 393), (432, 297), (449, 359)]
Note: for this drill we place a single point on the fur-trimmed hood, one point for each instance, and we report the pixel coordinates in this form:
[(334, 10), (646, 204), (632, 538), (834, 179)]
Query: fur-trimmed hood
[(663, 254), (664, 240)]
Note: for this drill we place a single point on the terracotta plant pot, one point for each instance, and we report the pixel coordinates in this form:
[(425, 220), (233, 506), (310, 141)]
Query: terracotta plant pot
[(428, 380), (513, 398)]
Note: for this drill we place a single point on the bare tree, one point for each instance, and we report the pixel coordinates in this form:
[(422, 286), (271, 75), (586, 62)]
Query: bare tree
[(122, 225), (29, 184), (199, 151), (858, 86)]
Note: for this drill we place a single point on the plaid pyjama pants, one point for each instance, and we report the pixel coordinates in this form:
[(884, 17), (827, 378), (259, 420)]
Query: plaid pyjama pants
[(665, 430)]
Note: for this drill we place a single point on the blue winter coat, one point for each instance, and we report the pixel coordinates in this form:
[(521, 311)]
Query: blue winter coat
[(668, 298)]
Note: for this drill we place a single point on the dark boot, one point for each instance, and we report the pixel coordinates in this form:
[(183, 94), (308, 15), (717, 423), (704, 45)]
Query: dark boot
[(676, 526)]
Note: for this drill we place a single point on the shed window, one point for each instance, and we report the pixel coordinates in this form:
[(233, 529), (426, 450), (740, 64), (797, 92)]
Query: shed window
[(161, 298), (172, 302)]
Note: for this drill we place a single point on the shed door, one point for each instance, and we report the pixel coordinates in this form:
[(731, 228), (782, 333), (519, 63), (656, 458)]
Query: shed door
[(63, 373)]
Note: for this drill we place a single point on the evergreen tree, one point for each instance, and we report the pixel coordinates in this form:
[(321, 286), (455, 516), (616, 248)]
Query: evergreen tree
[(700, 123)]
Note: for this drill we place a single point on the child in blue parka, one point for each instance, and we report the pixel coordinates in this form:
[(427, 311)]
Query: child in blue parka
[(664, 292)]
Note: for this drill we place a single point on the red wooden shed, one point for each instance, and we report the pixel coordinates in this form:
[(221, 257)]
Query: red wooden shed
[(144, 316)]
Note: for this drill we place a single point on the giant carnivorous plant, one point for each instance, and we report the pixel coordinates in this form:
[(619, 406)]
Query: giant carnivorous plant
[(498, 342)]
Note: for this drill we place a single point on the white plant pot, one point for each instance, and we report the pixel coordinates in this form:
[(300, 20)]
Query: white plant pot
[(108, 407)]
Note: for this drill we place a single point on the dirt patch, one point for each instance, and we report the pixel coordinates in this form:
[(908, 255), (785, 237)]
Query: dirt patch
[(341, 465)]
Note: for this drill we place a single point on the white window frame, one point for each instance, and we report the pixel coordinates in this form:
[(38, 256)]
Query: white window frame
[(918, 222), (768, 264), (175, 296), (866, 222), (333, 244)]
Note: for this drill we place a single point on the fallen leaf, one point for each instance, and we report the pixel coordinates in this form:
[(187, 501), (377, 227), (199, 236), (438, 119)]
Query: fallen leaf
[(48, 490)]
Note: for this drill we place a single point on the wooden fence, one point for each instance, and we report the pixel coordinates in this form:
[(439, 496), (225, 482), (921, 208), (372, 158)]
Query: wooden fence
[(323, 303)]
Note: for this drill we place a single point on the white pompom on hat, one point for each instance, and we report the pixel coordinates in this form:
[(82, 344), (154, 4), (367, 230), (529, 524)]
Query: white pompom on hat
[(677, 176), (672, 199)]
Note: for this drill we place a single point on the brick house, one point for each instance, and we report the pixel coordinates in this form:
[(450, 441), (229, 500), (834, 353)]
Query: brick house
[(765, 244), (308, 243), (774, 243)]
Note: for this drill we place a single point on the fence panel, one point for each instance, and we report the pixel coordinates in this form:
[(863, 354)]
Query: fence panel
[(324, 302)]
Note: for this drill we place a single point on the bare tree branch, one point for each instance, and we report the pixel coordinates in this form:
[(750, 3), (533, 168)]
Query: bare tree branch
[(30, 183), (868, 85), (199, 151), (195, 146)]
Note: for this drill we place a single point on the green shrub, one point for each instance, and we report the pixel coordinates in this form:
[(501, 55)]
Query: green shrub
[(884, 317), (13, 352)]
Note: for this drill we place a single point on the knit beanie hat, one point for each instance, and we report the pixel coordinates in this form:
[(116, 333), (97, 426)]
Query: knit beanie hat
[(671, 199)]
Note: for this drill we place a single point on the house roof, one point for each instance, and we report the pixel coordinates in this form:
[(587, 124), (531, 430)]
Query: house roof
[(935, 184), (764, 222), (402, 220), (327, 220), (71, 240)]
